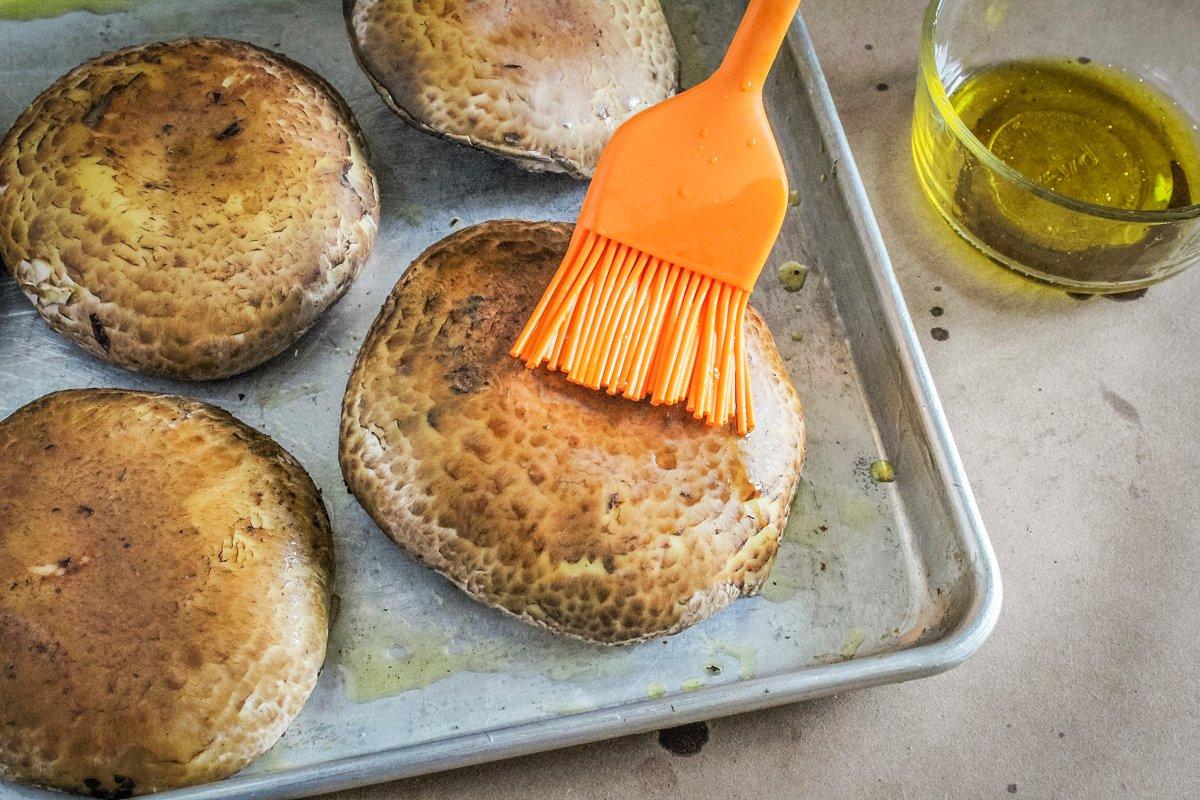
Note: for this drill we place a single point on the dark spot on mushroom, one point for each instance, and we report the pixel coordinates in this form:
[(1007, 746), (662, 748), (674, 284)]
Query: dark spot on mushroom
[(610, 564), (241, 396), (1125, 297), (64, 563), (98, 109), (937, 311), (465, 379), (512, 66), (168, 128), (1084, 60), (231, 130), (939, 334), (432, 416), (712, 669), (684, 740), (107, 99), (612, 502), (86, 511), (99, 333), (1012, 788), (868, 47), (882, 87), (214, 98)]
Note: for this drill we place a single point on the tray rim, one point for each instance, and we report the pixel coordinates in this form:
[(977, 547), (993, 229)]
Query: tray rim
[(923, 660), (976, 625)]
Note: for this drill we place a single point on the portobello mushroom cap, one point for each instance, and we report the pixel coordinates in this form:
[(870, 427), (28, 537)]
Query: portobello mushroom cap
[(542, 82), (165, 575), (186, 208), (583, 513)]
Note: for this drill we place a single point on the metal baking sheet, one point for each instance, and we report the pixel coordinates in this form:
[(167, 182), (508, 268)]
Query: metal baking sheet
[(874, 583)]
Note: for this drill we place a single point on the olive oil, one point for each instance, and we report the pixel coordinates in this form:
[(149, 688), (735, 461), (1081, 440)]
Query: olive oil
[(1089, 132), (1081, 130), (33, 9)]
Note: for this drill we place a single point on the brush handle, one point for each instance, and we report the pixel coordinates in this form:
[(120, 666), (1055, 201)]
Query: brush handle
[(757, 42)]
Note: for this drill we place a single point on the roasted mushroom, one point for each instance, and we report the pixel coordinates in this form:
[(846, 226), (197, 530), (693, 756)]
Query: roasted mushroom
[(589, 515), (166, 574), (186, 208), (542, 82)]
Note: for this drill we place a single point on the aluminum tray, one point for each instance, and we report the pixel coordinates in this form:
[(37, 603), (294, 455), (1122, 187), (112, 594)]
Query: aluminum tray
[(874, 583)]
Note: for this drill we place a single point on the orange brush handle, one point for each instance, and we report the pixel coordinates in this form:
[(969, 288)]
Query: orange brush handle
[(697, 180), (757, 41)]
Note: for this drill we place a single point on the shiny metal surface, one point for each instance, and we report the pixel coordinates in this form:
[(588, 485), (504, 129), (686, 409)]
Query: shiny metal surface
[(874, 583)]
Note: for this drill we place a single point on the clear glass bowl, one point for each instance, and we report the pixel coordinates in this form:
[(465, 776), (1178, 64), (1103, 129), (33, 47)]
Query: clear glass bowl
[(1111, 249)]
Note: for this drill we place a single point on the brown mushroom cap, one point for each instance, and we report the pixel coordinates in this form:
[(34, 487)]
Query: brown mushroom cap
[(590, 515), (186, 208), (164, 584), (543, 82)]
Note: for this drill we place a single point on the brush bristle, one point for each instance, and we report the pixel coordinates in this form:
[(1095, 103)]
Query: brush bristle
[(619, 319)]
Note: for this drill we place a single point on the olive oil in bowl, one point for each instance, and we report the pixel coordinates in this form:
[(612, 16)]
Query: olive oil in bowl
[(1093, 140)]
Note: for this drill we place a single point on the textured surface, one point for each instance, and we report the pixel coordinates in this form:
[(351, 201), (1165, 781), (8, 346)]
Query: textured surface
[(186, 209), (589, 515), (164, 581), (1078, 429), (544, 82)]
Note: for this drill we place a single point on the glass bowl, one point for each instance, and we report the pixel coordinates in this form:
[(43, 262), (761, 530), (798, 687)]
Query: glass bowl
[(1024, 224)]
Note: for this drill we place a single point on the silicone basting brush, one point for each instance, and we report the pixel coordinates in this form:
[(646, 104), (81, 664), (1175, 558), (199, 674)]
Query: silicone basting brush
[(684, 208)]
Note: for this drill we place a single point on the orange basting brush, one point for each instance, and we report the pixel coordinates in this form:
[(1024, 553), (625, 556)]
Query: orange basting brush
[(682, 213)]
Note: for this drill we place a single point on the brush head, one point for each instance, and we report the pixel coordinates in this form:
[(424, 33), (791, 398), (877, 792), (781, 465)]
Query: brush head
[(696, 181)]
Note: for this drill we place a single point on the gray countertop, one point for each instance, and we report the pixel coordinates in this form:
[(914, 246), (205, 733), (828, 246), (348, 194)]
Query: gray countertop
[(1078, 426)]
